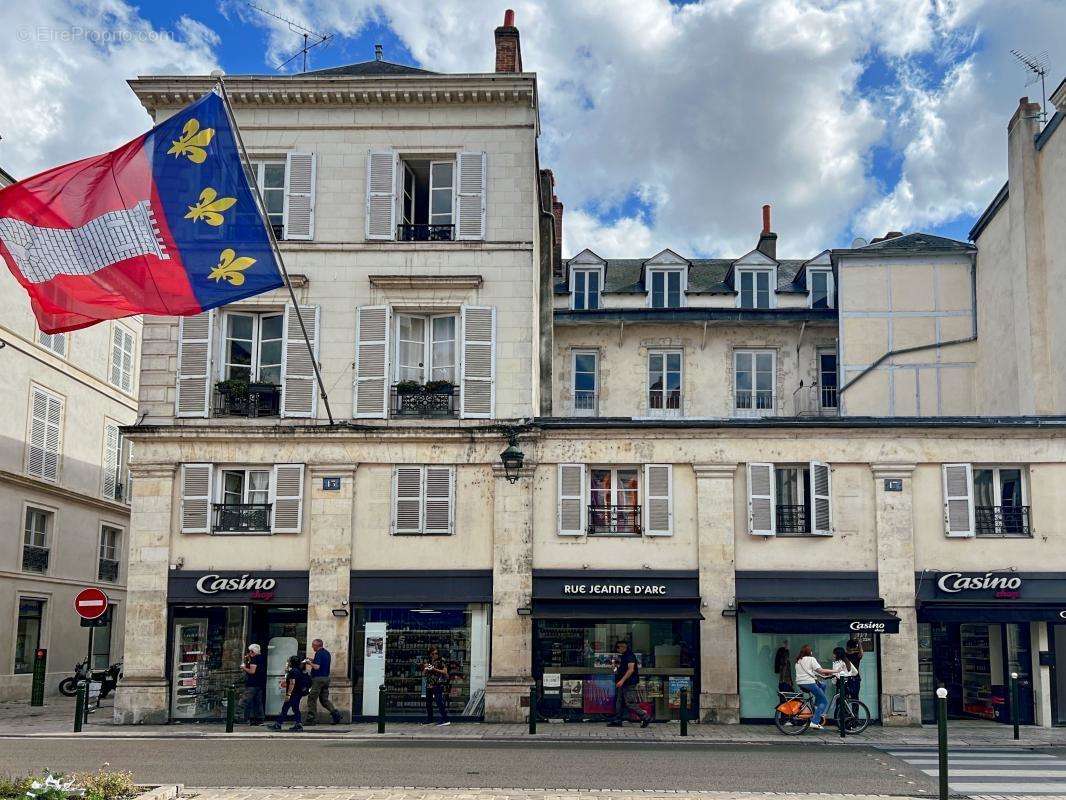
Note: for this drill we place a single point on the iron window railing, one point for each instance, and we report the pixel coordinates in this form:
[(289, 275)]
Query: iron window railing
[(423, 404), (34, 558), (792, 519), (107, 570), (758, 400), (423, 232), (614, 519), (261, 400), (1002, 521), (241, 518), (585, 402), (829, 396)]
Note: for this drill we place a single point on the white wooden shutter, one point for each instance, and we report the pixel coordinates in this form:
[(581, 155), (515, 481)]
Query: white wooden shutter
[(121, 358), (46, 422), (439, 494), (298, 215), (407, 500), (470, 197), (958, 500), (821, 499), (299, 397), (761, 521), (658, 502), (287, 495), (194, 364), (371, 362), (195, 498), (381, 194), (478, 389), (112, 456), (572, 511), (56, 342)]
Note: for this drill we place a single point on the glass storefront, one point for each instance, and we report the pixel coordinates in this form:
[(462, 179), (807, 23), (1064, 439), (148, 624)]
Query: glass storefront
[(574, 660), (390, 643)]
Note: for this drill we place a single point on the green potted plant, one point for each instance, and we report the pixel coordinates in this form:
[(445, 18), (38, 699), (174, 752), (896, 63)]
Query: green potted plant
[(233, 388), (440, 387), (408, 388)]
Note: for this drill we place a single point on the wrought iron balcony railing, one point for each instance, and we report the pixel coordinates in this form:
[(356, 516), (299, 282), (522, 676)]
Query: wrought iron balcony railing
[(584, 402), (261, 400), (34, 558), (614, 519), (755, 403), (1002, 521), (792, 519), (107, 570), (241, 518), (422, 232), (423, 404)]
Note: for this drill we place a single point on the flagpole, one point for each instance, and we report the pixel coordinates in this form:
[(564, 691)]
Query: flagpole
[(246, 164)]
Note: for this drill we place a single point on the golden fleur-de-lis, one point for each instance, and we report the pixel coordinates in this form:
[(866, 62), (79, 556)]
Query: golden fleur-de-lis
[(192, 142), (230, 268), (210, 207)]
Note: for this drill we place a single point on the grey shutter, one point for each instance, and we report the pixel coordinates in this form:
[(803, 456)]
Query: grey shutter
[(571, 492), (371, 362), (287, 491), (194, 364), (298, 214), (821, 499), (477, 390), (761, 520), (658, 501), (407, 500), (112, 457), (299, 397), (195, 498), (958, 500), (439, 502), (46, 421), (381, 194), (470, 197)]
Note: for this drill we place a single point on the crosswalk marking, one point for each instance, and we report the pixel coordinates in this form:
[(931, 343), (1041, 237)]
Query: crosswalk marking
[(989, 771)]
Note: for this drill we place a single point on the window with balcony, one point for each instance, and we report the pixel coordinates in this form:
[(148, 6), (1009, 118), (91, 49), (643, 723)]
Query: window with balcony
[(269, 176), (425, 365), (110, 548), (753, 288), (114, 482), (665, 288), (601, 500), (586, 382), (827, 379), (1001, 507), (244, 505), (820, 286), (585, 287), (37, 540), (251, 365), (614, 501), (754, 382), (237, 499), (664, 383), (789, 499), (427, 204)]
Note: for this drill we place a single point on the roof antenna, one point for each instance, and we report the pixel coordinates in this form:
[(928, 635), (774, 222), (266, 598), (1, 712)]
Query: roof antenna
[(1038, 66), (299, 30)]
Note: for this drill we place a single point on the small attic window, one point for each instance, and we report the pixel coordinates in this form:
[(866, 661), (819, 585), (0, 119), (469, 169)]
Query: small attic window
[(820, 286), (666, 288), (585, 287), (753, 288)]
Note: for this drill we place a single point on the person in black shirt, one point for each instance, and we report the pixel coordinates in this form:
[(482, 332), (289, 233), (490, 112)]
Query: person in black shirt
[(296, 683), (254, 668), (626, 676), (855, 654)]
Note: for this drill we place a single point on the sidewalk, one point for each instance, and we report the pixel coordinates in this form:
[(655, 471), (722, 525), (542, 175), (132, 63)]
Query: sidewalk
[(56, 718), (502, 794)]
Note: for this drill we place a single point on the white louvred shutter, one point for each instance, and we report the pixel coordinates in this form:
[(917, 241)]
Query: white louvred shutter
[(194, 364), (42, 450), (381, 194), (440, 491), (407, 500), (287, 495), (112, 456), (821, 499), (298, 215), (658, 503), (478, 391), (299, 397), (195, 498), (958, 500), (761, 520), (571, 484), (371, 362), (470, 197), (122, 358)]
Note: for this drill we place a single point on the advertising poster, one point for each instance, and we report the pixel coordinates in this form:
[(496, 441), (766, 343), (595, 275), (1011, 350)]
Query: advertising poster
[(674, 691), (599, 695), (572, 694), (373, 664)]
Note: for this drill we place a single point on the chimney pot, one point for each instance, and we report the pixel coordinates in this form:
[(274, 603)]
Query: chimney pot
[(378, 53), (766, 219), (508, 18)]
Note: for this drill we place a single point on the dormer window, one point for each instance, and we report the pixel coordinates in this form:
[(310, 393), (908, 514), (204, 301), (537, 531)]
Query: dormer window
[(820, 286), (665, 288), (585, 285), (753, 288)]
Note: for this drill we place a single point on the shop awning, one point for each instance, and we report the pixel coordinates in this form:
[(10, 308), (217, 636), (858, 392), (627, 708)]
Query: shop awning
[(1003, 611), (620, 609), (863, 616)]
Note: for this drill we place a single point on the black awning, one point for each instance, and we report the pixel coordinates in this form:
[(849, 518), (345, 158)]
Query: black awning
[(1005, 611), (862, 616), (621, 609)]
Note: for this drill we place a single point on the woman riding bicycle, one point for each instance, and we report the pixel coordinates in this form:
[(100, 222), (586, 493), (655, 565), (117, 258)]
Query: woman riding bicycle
[(808, 675)]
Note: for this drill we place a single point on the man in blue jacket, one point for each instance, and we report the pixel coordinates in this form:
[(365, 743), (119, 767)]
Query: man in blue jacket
[(319, 693)]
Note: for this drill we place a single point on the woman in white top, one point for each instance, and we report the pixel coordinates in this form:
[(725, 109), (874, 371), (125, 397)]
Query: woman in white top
[(845, 671), (808, 674)]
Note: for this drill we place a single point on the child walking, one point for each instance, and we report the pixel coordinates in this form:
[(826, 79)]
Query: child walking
[(296, 684)]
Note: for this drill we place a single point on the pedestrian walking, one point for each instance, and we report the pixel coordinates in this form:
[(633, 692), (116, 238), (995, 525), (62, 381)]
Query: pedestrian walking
[(295, 683), (319, 665), (783, 668), (435, 671), (809, 674), (626, 676), (254, 668)]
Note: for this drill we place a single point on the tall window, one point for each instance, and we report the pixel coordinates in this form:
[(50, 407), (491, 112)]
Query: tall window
[(269, 176), (614, 500), (665, 288), (1000, 504), (585, 289), (753, 380), (428, 203), (754, 285), (426, 348), (28, 633), (441, 192), (44, 436), (122, 346), (827, 379), (664, 382), (792, 485), (245, 486), (110, 543), (821, 288), (36, 540), (56, 342), (585, 363), (253, 347)]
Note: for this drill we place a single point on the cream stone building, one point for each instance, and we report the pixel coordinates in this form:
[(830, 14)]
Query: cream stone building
[(64, 489), (724, 459)]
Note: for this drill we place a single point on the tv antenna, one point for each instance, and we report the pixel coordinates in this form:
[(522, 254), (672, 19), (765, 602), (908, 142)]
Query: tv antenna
[(1038, 66), (311, 38)]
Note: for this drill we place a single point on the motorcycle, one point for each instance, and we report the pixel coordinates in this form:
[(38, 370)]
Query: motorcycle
[(107, 678)]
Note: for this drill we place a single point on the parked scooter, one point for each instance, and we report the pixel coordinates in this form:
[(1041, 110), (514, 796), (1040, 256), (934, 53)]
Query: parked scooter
[(107, 678)]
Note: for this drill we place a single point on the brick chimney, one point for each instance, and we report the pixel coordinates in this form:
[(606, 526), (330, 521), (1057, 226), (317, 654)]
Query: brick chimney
[(508, 48), (767, 239), (557, 222)]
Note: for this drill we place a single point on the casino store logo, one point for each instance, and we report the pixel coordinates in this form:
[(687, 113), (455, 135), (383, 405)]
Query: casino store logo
[(258, 588), (953, 582), (868, 626)]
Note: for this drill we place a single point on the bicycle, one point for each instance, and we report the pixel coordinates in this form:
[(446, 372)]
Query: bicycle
[(794, 713)]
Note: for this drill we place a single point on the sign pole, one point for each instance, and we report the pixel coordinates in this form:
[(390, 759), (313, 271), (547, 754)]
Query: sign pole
[(89, 673)]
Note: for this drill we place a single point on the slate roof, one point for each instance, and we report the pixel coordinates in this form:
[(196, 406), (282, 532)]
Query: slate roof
[(364, 68), (916, 243), (705, 276)]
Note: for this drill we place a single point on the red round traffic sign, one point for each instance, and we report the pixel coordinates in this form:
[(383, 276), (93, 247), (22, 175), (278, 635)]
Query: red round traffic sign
[(90, 603)]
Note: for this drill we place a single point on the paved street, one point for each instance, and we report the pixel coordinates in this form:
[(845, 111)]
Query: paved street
[(995, 771)]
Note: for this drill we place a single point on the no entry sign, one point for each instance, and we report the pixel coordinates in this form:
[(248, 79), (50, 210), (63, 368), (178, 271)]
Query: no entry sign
[(90, 603)]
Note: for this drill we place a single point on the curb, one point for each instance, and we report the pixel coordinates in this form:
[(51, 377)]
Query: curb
[(165, 792)]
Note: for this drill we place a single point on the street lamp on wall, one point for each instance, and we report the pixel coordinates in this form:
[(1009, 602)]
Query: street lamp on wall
[(512, 458)]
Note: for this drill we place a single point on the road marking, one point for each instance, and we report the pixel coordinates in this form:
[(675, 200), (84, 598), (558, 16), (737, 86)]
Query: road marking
[(989, 771)]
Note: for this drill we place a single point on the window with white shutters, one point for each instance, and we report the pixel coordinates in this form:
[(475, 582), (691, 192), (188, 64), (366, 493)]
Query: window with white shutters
[(423, 500), (287, 492), (122, 349), (371, 387), (471, 195), (790, 499), (958, 500), (45, 435), (658, 500), (196, 498), (37, 540), (381, 194), (269, 177), (761, 499), (478, 391), (821, 501), (299, 212), (111, 484), (56, 342), (299, 395), (572, 504), (194, 363)]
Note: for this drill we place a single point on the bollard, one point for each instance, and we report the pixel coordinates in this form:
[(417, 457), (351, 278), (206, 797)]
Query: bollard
[(88, 702), (683, 699), (942, 739), (231, 708), (381, 708), (79, 709), (533, 708), (1014, 704), (842, 709)]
